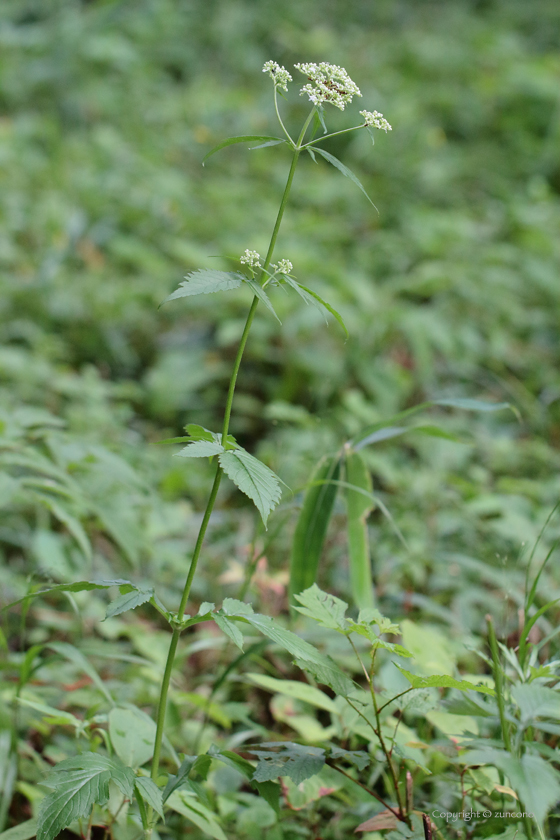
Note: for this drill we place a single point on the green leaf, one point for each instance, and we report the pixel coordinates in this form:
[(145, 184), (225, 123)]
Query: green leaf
[(472, 405), (299, 690), (442, 681), (78, 784), (150, 793), (358, 508), (23, 831), (73, 525), (253, 478), (312, 297), (201, 449), (327, 610), (359, 759), (328, 307), (536, 701), (52, 715), (344, 169), (77, 657), (175, 782), (536, 781), (229, 628), (132, 735), (325, 670), (312, 524), (129, 601), (77, 586), (262, 296), (187, 804), (264, 145), (284, 758), (205, 281), (245, 138)]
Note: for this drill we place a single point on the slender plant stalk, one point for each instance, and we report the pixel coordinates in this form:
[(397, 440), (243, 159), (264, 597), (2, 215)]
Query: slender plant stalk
[(162, 705), (498, 685)]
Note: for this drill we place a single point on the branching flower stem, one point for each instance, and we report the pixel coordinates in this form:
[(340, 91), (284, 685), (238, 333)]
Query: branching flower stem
[(164, 691)]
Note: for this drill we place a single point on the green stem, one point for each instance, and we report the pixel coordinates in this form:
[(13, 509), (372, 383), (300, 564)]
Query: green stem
[(162, 705)]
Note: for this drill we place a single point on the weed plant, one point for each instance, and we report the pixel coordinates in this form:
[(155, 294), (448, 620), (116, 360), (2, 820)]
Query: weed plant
[(388, 746)]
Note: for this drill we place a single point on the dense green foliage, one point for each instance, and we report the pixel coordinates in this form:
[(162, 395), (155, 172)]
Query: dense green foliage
[(450, 292)]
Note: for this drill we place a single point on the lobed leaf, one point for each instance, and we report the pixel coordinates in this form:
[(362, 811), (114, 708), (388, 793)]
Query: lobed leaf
[(79, 783), (201, 449), (129, 601)]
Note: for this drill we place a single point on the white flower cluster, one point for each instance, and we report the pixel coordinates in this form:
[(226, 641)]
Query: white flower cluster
[(376, 119), (283, 267), (330, 83), (279, 75), (250, 258)]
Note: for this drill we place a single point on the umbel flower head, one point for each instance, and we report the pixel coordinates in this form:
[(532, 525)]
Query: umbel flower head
[(279, 75), (375, 119), (329, 83), (284, 267), (250, 258)]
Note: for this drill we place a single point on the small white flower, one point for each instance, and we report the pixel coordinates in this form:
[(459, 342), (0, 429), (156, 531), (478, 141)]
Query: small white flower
[(329, 83), (279, 75), (250, 258), (374, 118), (284, 267)]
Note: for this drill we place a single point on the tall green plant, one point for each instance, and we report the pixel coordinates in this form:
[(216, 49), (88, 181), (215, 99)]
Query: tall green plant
[(77, 784)]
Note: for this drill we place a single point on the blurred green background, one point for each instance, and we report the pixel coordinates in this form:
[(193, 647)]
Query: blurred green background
[(107, 109)]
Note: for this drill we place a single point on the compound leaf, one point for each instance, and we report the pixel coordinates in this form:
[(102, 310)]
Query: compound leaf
[(78, 784), (262, 296), (129, 601), (201, 449)]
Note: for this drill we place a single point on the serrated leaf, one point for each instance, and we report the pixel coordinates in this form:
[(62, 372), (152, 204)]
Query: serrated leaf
[(129, 601), (78, 784), (312, 524), (150, 793), (229, 628), (206, 281), (443, 681), (244, 138), (345, 171), (253, 478), (327, 610), (132, 735), (325, 670), (201, 449), (231, 606), (293, 760), (262, 296), (358, 508), (189, 806)]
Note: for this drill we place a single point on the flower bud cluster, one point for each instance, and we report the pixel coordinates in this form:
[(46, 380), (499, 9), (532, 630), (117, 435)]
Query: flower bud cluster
[(329, 83), (283, 267), (279, 75), (374, 118), (250, 258)]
